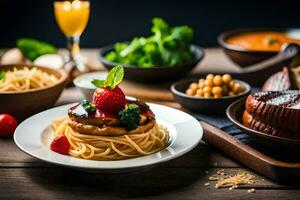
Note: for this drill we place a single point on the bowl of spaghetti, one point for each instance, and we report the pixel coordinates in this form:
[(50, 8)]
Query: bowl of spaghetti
[(28, 89)]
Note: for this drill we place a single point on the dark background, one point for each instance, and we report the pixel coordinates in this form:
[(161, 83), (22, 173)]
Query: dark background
[(117, 20)]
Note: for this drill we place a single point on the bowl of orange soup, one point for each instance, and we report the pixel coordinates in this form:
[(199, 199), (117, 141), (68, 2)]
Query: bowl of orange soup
[(251, 46)]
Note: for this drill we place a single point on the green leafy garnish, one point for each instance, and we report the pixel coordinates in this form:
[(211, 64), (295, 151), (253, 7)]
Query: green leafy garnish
[(33, 48), (168, 46), (2, 75), (88, 106), (271, 40), (130, 117), (114, 78)]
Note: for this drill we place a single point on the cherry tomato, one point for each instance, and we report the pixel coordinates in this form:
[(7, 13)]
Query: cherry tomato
[(8, 125)]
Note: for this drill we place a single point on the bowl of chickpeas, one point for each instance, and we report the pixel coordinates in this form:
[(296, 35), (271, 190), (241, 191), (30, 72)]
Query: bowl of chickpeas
[(212, 93)]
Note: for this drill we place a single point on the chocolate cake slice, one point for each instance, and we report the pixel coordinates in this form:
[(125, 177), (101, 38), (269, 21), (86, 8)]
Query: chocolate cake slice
[(279, 110), (254, 124)]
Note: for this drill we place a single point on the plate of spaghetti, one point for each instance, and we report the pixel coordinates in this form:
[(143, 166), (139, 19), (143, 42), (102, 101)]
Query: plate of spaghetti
[(111, 133)]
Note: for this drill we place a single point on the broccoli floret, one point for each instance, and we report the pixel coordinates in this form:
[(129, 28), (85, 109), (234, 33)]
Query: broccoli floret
[(130, 117)]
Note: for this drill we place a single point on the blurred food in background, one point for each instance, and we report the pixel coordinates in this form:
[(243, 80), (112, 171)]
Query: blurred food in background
[(33, 51), (168, 46), (262, 41)]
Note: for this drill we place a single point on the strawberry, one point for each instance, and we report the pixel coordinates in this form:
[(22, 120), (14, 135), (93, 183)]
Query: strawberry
[(111, 101), (108, 97), (60, 144)]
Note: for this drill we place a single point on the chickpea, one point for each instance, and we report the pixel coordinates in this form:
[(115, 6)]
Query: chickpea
[(217, 95), (209, 77), (218, 80), (209, 82), (201, 85), (200, 93), (231, 93), (194, 86), (207, 95), (226, 78), (217, 90), (242, 88), (225, 89), (191, 92), (236, 88), (201, 80), (207, 89)]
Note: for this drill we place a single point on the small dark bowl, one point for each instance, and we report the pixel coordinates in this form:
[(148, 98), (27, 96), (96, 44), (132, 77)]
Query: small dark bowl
[(245, 57), (235, 112), (154, 74), (207, 105)]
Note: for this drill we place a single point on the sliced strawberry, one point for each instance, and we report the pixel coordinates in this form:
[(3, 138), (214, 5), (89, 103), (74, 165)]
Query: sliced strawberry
[(61, 145), (107, 100)]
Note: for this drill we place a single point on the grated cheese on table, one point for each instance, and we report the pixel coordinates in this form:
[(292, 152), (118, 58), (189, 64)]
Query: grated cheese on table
[(241, 178), (233, 181), (252, 190)]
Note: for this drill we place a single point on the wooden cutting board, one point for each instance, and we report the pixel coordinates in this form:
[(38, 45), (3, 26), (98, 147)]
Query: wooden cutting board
[(280, 171)]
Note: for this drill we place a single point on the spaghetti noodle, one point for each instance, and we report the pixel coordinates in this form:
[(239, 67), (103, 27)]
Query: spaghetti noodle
[(112, 147), (20, 80)]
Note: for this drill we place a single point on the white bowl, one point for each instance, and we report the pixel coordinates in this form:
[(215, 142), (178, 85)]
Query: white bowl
[(83, 83)]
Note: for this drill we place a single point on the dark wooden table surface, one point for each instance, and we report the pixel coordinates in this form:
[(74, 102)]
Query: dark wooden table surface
[(24, 177)]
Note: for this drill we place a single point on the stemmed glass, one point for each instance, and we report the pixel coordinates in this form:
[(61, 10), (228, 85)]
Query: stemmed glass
[(72, 17)]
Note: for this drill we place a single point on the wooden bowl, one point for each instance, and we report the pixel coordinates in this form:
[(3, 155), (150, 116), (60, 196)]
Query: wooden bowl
[(245, 57), (206, 105), (24, 104), (235, 111), (154, 74)]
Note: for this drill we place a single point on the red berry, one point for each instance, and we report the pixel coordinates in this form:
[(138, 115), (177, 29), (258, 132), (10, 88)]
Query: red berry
[(60, 144), (107, 100), (8, 125)]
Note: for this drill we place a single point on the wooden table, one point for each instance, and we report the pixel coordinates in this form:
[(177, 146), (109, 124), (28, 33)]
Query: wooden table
[(23, 177)]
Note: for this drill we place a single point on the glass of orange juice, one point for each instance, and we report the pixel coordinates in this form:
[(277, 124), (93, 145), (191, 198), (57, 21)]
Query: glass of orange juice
[(72, 17)]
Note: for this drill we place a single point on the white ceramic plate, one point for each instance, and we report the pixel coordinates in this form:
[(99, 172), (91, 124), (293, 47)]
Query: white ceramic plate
[(33, 136)]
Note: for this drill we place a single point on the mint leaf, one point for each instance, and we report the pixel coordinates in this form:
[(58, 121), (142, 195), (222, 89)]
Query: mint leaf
[(99, 83), (2, 75), (115, 76)]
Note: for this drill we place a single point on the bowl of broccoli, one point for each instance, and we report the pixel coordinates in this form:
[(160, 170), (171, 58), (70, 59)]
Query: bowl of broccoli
[(165, 55)]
